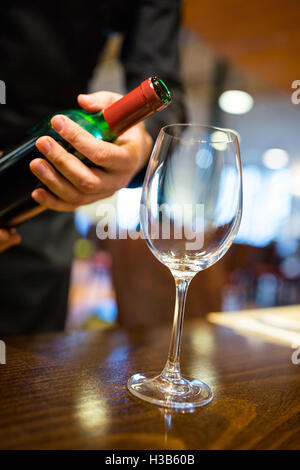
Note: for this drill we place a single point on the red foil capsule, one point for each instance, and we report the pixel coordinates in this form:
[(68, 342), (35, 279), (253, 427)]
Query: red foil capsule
[(136, 106)]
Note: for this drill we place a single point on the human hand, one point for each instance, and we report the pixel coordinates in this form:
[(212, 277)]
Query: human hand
[(8, 238), (76, 184)]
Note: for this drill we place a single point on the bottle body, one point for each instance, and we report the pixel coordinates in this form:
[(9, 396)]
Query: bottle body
[(17, 181), (15, 173)]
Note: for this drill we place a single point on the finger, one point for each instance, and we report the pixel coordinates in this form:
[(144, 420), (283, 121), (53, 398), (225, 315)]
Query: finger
[(94, 102), (44, 198), (55, 182), (101, 153), (82, 177), (15, 239), (47, 200), (4, 236)]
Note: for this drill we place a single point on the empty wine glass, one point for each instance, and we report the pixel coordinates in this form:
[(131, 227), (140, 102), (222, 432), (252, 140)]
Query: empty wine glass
[(191, 209)]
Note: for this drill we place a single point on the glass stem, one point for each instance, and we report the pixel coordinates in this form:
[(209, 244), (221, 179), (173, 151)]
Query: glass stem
[(171, 371)]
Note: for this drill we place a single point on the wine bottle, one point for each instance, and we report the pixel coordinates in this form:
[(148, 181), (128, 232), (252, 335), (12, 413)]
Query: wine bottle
[(17, 181)]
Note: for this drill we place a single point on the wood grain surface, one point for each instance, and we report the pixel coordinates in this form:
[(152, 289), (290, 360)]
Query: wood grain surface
[(68, 391)]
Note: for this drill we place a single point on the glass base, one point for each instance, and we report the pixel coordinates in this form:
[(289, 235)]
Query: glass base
[(181, 393)]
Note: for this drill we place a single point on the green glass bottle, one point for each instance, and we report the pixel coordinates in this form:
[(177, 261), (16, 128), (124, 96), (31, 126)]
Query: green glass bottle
[(17, 181)]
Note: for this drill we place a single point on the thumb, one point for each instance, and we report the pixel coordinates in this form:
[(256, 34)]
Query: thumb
[(94, 102)]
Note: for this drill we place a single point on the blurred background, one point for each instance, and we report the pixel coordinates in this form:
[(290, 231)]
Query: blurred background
[(239, 60)]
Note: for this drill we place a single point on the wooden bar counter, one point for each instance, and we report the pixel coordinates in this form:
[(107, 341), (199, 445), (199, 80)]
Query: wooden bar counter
[(68, 391)]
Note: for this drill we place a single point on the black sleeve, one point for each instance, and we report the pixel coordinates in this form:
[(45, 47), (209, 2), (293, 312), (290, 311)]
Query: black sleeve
[(151, 47)]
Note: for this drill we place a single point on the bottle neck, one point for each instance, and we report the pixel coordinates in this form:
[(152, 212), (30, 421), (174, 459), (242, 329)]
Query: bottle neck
[(149, 97)]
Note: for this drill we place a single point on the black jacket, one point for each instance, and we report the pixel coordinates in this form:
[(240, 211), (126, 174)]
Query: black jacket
[(48, 51)]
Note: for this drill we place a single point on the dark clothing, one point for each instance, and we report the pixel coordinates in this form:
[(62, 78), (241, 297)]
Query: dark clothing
[(34, 276), (48, 52)]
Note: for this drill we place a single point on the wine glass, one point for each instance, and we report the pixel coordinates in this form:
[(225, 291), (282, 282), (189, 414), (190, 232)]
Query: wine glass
[(190, 211)]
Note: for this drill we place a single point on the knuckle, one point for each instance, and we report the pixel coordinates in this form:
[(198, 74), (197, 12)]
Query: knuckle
[(59, 157), (75, 136), (99, 154), (96, 155), (87, 185)]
